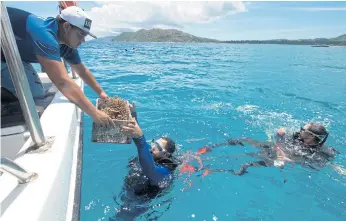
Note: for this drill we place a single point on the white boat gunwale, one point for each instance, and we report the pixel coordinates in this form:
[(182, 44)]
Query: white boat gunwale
[(70, 172)]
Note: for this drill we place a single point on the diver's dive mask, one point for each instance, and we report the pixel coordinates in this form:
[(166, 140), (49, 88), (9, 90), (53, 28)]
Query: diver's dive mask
[(157, 144), (322, 138)]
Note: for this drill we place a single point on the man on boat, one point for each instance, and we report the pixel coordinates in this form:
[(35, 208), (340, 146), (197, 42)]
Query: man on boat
[(46, 41)]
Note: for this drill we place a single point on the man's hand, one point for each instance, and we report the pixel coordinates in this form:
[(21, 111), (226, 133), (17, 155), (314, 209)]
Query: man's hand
[(103, 95), (131, 129), (101, 118)]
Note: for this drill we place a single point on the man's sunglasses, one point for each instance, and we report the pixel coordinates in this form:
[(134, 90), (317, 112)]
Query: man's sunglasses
[(81, 34)]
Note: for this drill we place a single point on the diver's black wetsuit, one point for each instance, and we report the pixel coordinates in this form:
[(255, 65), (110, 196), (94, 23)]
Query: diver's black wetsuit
[(145, 181), (147, 175), (150, 172), (312, 158)]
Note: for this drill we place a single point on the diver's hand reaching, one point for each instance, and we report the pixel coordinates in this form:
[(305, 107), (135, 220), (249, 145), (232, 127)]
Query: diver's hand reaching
[(131, 129)]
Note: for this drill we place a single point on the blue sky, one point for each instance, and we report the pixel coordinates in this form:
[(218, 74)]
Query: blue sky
[(219, 20)]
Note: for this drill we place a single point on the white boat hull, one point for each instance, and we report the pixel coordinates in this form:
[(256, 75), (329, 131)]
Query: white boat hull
[(52, 195)]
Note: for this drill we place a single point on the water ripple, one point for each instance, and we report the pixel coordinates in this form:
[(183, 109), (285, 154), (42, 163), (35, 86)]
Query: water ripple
[(201, 94)]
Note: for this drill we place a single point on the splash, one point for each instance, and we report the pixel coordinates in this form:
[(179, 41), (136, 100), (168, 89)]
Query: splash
[(247, 108), (339, 169)]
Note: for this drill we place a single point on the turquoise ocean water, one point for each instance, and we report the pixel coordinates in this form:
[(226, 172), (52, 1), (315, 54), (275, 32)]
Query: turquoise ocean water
[(200, 94)]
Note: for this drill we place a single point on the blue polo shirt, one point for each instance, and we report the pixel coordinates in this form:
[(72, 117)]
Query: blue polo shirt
[(38, 36)]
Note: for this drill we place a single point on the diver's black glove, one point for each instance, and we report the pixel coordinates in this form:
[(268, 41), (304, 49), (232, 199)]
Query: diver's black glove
[(234, 142), (133, 110)]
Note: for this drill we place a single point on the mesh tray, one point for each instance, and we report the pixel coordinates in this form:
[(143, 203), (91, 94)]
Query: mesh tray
[(101, 134)]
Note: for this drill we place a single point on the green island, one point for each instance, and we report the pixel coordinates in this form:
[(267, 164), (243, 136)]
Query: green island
[(174, 35)]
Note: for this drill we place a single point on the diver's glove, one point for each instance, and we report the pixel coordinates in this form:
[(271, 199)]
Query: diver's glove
[(234, 142), (133, 110)]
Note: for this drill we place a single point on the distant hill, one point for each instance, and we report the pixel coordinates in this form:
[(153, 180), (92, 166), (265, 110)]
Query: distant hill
[(173, 35), (340, 38), (106, 39), (338, 41), (159, 35)]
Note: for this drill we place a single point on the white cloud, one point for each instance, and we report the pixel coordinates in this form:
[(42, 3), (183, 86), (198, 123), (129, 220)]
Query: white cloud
[(315, 9), (115, 17)]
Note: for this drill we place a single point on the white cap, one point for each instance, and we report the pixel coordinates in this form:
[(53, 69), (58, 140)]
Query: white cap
[(77, 17)]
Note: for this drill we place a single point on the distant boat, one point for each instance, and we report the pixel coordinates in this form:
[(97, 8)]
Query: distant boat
[(320, 46)]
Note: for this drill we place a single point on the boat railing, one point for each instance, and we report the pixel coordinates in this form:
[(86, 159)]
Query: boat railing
[(23, 176), (24, 95), (74, 76), (20, 81)]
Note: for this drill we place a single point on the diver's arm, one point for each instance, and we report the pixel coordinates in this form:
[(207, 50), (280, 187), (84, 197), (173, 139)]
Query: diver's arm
[(329, 152), (240, 141), (153, 172), (234, 142), (256, 143), (279, 137), (243, 168)]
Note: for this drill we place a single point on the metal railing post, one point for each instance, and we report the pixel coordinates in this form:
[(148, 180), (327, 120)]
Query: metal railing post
[(74, 76), (20, 81), (23, 176)]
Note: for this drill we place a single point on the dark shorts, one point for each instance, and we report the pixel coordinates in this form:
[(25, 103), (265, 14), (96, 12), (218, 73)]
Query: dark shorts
[(34, 81)]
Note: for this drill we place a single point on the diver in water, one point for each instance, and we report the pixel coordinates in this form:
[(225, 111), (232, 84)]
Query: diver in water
[(149, 173), (306, 148)]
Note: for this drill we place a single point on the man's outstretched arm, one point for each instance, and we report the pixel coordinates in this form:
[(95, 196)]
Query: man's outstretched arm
[(58, 75), (89, 78)]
